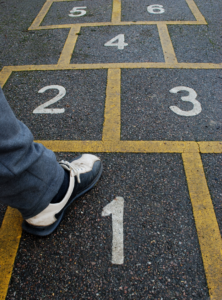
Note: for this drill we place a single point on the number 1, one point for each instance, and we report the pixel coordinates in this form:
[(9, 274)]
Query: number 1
[(115, 208)]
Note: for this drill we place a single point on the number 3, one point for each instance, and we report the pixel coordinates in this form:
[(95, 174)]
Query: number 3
[(190, 98)]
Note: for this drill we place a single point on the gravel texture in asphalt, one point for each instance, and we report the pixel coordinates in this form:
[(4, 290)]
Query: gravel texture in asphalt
[(83, 103), (96, 11), (213, 170), (173, 11), (18, 46), (146, 101), (162, 258), (143, 45), (161, 253)]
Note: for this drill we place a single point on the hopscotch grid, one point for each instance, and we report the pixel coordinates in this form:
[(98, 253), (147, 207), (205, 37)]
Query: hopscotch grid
[(116, 17), (190, 150)]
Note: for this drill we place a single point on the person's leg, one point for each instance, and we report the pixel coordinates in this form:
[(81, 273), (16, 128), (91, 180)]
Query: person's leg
[(29, 173), (31, 179)]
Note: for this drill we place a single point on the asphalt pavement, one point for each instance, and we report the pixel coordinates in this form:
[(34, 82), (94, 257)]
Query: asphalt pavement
[(163, 155)]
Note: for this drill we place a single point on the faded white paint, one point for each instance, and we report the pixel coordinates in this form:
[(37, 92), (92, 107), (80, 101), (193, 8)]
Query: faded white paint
[(115, 208), (120, 42), (155, 9), (190, 98), (41, 109), (80, 10)]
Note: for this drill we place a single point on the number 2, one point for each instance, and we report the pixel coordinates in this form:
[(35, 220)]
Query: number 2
[(190, 98), (41, 109)]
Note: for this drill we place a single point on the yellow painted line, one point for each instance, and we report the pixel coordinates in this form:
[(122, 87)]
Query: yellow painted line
[(196, 12), (206, 223), (116, 13), (116, 17), (166, 43), (210, 147), (135, 65), (125, 23), (111, 126), (38, 20), (10, 234), (69, 46), (4, 75), (121, 146)]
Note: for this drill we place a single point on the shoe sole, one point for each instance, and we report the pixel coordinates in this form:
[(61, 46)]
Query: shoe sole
[(46, 230)]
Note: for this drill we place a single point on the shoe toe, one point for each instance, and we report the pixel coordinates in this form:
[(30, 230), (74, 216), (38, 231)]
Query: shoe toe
[(88, 179)]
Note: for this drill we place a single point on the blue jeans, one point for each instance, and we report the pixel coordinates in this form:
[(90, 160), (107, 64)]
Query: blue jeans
[(30, 176)]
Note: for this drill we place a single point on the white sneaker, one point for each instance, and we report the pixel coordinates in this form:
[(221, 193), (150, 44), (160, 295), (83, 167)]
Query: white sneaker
[(85, 171)]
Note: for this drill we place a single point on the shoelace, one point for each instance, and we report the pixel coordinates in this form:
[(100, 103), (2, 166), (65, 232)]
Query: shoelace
[(68, 167)]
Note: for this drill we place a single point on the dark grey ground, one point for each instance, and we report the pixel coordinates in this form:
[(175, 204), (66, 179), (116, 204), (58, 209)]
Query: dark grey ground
[(18, 46), (143, 45), (197, 44), (84, 103), (201, 43), (96, 11), (145, 102), (174, 11), (213, 170), (162, 256)]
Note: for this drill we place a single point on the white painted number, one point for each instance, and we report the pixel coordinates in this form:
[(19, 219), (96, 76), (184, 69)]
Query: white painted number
[(155, 9), (41, 109), (116, 209), (190, 98), (78, 11), (120, 42)]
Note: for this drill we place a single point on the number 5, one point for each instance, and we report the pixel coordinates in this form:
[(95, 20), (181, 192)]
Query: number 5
[(80, 10), (190, 98)]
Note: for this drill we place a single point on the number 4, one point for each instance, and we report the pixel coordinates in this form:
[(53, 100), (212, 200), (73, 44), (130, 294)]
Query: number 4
[(120, 44)]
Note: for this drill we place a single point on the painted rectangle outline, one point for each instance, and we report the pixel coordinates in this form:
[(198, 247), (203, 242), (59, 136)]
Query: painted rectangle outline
[(115, 19), (111, 139), (191, 158)]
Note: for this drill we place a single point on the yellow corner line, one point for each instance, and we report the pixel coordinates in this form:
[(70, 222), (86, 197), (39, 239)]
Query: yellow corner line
[(210, 147), (121, 146), (38, 20), (6, 71), (4, 75), (111, 126), (196, 12), (69, 46), (116, 13), (166, 43), (125, 23), (206, 223), (10, 234)]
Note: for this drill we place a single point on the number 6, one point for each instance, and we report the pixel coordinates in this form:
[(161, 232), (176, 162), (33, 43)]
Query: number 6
[(190, 98), (155, 9)]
